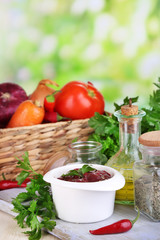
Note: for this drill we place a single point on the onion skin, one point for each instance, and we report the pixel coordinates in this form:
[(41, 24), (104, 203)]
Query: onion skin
[(11, 95), (42, 90)]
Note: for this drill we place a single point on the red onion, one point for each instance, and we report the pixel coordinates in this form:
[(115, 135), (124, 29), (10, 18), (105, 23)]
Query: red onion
[(11, 95)]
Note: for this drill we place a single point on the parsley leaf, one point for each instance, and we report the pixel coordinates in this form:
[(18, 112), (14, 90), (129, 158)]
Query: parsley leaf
[(151, 121), (25, 164), (72, 173), (107, 133), (125, 102), (22, 176), (79, 172), (35, 207), (86, 168)]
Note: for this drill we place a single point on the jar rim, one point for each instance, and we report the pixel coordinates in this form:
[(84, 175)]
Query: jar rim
[(85, 146)]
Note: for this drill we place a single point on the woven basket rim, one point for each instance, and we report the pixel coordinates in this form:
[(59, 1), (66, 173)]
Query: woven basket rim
[(43, 125), (43, 142)]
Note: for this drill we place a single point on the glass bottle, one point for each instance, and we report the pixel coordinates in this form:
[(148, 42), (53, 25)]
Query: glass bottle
[(146, 174), (85, 152), (129, 132)]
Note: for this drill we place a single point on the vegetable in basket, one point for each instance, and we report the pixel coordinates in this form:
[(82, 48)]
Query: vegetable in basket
[(11, 95), (49, 102), (44, 88), (79, 100), (53, 117), (27, 114)]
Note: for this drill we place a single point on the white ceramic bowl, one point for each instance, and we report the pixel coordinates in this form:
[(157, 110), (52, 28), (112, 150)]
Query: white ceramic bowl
[(83, 202)]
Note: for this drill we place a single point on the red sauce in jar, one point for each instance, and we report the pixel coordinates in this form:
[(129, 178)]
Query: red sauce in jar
[(91, 176)]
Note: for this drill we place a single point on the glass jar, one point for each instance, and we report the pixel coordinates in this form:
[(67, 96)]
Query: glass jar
[(81, 151), (147, 176), (129, 131), (85, 152)]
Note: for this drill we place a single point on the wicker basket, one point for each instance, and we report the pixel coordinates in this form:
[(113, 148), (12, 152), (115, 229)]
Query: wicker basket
[(42, 142)]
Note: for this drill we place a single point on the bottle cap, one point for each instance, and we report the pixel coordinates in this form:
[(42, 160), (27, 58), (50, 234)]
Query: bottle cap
[(150, 139), (129, 110)]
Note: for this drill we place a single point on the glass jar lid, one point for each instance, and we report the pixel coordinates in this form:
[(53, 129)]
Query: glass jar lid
[(150, 139)]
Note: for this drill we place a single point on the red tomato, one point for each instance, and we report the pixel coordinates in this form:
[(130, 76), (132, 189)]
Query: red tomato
[(78, 100)]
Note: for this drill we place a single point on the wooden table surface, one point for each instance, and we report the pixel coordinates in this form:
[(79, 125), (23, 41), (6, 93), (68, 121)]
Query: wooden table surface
[(144, 229), (9, 230)]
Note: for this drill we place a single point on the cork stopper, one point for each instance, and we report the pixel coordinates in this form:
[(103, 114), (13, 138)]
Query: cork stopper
[(130, 109), (150, 139)]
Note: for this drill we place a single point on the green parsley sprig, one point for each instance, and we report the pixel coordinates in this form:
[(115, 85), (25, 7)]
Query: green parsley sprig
[(107, 133), (107, 127), (151, 121), (34, 208), (79, 172)]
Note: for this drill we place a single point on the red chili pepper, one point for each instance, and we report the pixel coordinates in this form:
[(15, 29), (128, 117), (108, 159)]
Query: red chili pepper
[(118, 227), (49, 102), (7, 184), (52, 117)]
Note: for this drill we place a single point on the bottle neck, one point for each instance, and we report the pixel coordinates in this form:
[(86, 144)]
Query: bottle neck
[(129, 132)]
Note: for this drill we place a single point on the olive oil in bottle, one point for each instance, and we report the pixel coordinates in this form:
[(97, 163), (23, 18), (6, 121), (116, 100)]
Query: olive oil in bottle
[(129, 118)]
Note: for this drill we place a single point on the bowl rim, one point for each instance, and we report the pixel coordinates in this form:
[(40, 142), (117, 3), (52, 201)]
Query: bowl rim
[(116, 182)]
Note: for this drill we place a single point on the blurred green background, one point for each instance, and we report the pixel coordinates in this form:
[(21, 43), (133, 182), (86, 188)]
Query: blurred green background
[(115, 44)]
